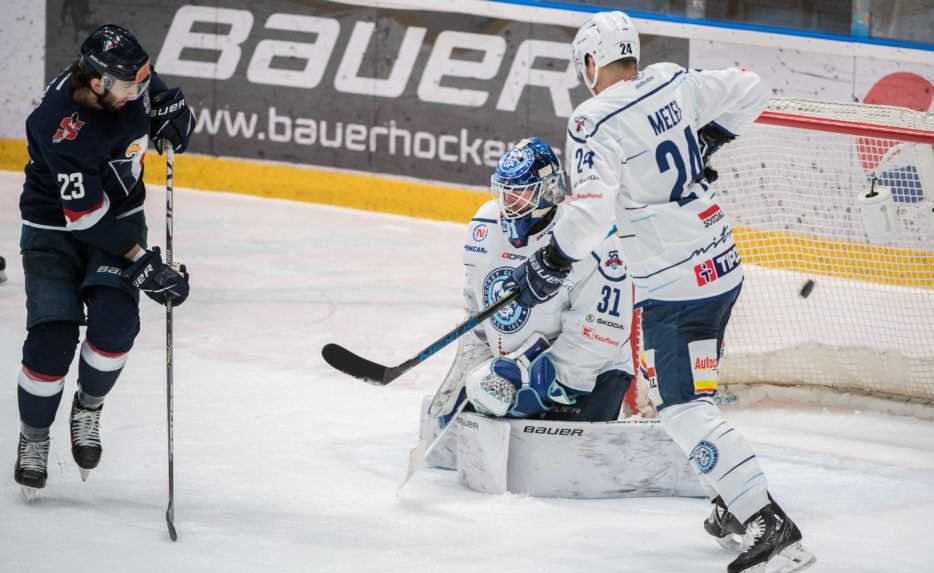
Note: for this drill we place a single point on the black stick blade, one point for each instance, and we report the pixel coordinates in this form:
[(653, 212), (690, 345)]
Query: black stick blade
[(169, 521), (349, 363)]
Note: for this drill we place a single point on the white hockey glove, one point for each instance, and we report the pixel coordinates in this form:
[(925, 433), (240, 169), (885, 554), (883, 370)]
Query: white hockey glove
[(519, 385)]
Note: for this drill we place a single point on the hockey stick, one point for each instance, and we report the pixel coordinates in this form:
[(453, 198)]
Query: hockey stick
[(349, 363), (169, 187), (420, 453)]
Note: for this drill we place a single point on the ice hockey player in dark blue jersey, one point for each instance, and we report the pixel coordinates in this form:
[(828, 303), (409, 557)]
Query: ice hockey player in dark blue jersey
[(83, 242)]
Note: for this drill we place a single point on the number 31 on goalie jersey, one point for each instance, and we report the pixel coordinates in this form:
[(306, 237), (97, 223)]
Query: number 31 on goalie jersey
[(669, 152)]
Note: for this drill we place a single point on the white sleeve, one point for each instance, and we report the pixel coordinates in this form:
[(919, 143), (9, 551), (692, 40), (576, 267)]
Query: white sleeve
[(593, 166), (595, 329), (732, 97)]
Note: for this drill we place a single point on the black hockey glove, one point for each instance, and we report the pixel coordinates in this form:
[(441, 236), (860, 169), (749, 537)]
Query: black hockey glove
[(541, 275), (712, 137), (170, 120), (158, 280)]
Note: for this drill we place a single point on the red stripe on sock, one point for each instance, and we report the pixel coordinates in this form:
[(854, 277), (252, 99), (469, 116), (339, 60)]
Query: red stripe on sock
[(39, 376), (104, 353)]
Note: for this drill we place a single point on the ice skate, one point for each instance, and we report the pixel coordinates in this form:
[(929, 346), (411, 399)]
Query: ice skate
[(31, 470), (773, 544), (85, 436), (724, 527)]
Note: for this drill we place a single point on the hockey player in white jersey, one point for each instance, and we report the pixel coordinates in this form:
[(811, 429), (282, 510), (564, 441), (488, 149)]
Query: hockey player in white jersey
[(637, 154), (567, 359)]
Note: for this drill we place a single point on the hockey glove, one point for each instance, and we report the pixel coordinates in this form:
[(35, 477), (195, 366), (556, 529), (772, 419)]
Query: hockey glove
[(540, 276), (170, 119), (158, 280), (712, 137), (521, 385)]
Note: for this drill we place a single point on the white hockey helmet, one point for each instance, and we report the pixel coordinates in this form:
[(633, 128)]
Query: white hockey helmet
[(607, 37)]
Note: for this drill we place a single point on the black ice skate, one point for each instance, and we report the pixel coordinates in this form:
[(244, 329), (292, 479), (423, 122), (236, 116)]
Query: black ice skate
[(724, 527), (2, 270), (85, 436), (31, 470), (773, 539)]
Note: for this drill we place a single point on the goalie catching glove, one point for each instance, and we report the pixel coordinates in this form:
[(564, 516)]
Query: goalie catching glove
[(520, 385)]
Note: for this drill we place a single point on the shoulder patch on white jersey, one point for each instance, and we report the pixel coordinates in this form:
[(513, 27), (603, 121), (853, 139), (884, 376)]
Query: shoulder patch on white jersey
[(610, 261), (484, 223), (580, 125), (596, 111)]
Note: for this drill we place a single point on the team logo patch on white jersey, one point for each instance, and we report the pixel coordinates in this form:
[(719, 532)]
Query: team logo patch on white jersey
[(513, 316), (613, 261), (480, 232)]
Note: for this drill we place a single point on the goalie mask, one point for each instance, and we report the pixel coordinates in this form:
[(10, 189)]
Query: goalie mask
[(528, 183)]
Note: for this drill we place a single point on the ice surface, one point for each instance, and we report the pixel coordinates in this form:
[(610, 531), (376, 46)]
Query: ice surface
[(285, 465)]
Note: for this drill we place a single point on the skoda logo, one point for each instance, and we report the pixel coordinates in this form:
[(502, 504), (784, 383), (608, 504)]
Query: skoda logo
[(510, 318)]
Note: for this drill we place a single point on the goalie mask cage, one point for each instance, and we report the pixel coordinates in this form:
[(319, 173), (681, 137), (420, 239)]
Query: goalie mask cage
[(832, 207)]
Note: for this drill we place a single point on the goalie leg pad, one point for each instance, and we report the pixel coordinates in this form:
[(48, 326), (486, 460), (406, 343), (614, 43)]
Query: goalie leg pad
[(719, 454), (631, 458)]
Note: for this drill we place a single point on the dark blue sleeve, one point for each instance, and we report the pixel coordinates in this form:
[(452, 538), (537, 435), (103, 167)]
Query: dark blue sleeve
[(156, 85)]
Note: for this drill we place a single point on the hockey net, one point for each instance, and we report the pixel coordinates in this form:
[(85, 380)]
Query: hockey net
[(833, 212)]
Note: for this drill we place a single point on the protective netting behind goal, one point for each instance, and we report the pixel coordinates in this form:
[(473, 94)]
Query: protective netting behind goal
[(833, 212)]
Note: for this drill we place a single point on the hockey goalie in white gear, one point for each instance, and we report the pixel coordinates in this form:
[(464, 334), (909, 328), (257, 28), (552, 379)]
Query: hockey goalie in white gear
[(566, 364)]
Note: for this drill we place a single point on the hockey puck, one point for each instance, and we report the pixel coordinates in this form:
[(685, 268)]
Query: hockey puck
[(807, 288)]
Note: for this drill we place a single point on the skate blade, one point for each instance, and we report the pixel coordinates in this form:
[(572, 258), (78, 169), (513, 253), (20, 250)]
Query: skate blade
[(792, 558), (30, 494), (84, 474)]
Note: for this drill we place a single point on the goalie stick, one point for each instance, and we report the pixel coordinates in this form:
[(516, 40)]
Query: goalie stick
[(349, 363), (420, 452)]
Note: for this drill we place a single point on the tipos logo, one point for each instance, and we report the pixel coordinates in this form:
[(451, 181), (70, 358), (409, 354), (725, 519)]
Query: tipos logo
[(710, 270)]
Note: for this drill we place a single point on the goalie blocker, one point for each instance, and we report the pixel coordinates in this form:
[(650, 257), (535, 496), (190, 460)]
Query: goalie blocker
[(626, 458)]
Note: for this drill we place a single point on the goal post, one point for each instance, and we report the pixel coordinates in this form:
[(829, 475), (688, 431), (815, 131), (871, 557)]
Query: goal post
[(832, 208), (833, 212)]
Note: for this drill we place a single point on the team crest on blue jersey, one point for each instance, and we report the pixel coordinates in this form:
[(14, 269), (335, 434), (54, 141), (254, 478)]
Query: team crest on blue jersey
[(705, 456), (68, 129), (513, 316)]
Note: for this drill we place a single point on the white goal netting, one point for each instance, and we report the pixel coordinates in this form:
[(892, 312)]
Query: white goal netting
[(838, 198)]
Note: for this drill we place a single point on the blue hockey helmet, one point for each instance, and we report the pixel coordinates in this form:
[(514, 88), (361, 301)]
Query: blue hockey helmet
[(528, 183)]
